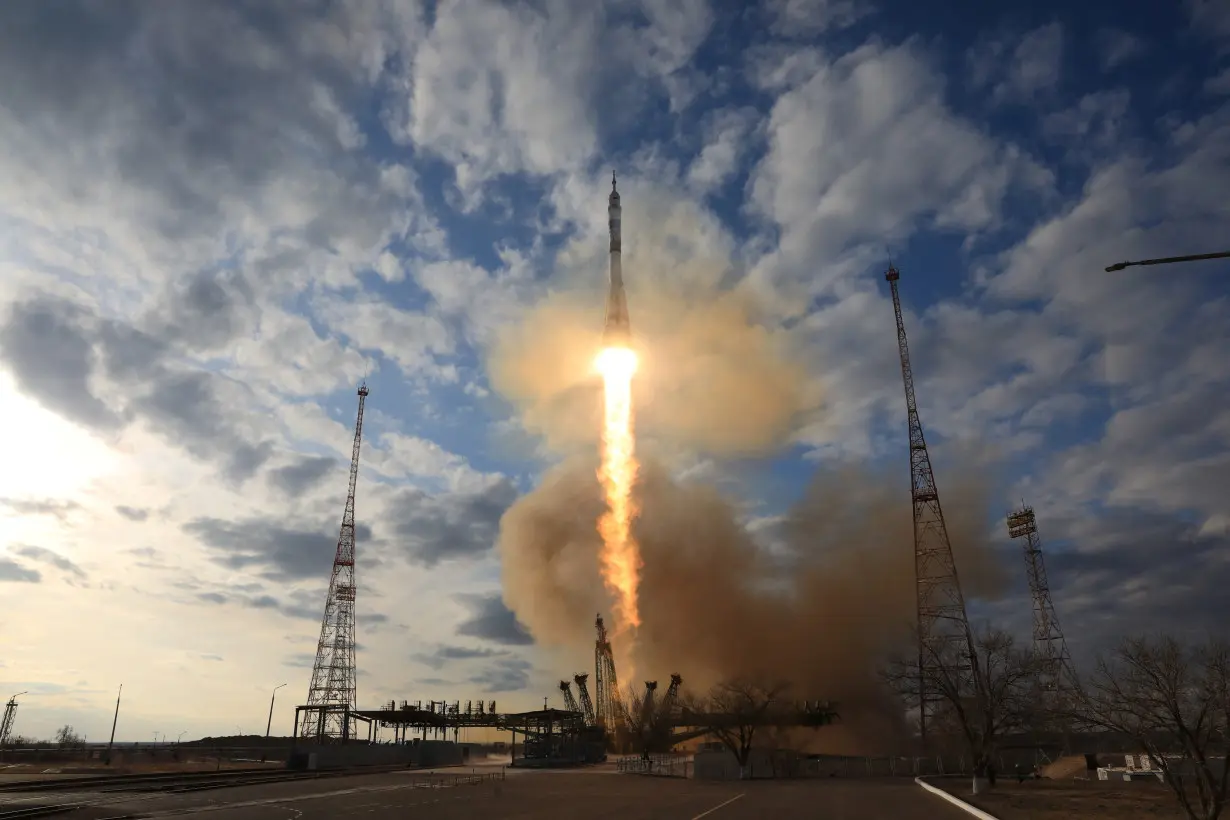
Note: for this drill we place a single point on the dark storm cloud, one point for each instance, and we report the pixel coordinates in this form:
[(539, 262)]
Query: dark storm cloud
[(438, 528), (28, 506), (301, 476), (504, 675), (46, 556), (10, 570), (492, 621), (276, 552), (132, 513), (186, 408), (53, 359), (444, 654)]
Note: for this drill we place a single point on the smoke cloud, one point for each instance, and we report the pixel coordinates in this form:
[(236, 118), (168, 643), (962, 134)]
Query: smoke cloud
[(712, 379), (815, 597), (816, 600)]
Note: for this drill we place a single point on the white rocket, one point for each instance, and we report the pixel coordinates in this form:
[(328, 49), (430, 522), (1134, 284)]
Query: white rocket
[(617, 331)]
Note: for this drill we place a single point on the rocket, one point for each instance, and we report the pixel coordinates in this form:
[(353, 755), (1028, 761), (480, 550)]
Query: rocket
[(617, 331)]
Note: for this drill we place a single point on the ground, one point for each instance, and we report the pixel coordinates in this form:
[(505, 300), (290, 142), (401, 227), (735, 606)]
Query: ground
[(1072, 799), (597, 794)]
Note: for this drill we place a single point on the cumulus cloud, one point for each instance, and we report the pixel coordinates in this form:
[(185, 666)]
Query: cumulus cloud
[(219, 218)]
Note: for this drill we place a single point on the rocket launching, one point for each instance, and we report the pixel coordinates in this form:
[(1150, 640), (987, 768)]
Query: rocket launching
[(620, 559), (617, 331)]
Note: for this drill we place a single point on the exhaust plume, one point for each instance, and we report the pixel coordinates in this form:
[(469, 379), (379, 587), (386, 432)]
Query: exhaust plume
[(816, 599)]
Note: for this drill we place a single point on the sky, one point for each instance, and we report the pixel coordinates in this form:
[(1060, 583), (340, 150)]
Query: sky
[(218, 218)]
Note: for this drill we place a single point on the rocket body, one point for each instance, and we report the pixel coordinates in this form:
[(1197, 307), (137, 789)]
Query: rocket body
[(617, 332)]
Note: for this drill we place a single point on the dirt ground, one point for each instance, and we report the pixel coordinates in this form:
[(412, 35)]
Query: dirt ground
[(1072, 800)]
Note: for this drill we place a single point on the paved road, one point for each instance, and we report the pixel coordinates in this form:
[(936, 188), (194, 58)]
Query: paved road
[(547, 795)]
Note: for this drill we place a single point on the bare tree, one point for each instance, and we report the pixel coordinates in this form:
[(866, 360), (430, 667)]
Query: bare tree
[(67, 738), (734, 711), (1173, 702), (978, 700)]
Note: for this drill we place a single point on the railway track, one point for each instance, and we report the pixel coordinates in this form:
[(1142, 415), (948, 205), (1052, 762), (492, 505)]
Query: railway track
[(153, 786)]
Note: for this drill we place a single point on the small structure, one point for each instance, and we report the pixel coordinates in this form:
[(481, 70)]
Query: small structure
[(554, 737)]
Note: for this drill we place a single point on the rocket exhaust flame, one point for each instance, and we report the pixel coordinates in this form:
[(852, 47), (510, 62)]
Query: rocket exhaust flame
[(620, 559)]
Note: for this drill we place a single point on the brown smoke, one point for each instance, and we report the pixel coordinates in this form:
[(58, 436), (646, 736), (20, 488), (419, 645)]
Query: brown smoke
[(712, 379), (817, 602), (815, 598)]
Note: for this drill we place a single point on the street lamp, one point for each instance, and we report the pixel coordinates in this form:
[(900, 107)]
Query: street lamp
[(269, 723), (181, 735), (1168, 260)]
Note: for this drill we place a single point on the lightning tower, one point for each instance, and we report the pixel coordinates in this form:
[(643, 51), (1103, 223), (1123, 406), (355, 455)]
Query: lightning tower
[(1049, 644), (943, 628), (333, 673)]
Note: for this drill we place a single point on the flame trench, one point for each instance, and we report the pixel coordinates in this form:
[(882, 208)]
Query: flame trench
[(620, 558)]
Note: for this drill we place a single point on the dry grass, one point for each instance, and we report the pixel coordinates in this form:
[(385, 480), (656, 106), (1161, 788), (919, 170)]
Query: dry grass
[(1072, 800)]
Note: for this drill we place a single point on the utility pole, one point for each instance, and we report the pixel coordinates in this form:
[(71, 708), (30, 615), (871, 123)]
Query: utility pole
[(269, 723), (942, 619), (1168, 260), (114, 721)]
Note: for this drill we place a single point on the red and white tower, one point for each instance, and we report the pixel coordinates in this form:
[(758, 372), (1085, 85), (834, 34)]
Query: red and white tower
[(332, 689)]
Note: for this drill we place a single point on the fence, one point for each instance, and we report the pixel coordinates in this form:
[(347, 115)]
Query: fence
[(765, 764), (659, 765)]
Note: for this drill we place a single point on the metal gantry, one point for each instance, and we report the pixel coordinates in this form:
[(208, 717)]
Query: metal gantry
[(333, 687), (942, 621), (587, 705), (1048, 641), (607, 711)]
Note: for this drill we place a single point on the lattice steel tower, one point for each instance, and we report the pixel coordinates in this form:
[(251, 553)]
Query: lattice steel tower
[(943, 628), (607, 704), (1049, 643), (333, 673)]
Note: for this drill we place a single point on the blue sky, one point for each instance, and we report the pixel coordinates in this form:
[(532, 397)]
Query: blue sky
[(222, 216)]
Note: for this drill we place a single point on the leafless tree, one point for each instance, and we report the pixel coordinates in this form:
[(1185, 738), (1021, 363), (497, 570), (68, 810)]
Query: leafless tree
[(1173, 701), (734, 711), (978, 700), (67, 738)]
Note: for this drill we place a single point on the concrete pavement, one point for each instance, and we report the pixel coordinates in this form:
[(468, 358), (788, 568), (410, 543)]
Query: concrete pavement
[(545, 795)]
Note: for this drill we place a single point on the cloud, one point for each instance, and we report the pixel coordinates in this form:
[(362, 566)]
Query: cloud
[(504, 675), (46, 556), (806, 18), (1117, 47), (132, 513), (492, 621), (274, 552), (30, 506), (864, 149), (302, 475), (10, 570), (434, 528), (447, 654)]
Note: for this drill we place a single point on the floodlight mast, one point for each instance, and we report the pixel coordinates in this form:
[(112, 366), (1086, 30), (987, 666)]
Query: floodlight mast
[(1169, 259)]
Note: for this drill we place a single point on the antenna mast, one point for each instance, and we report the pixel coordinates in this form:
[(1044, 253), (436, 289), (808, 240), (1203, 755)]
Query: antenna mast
[(333, 673), (943, 629)]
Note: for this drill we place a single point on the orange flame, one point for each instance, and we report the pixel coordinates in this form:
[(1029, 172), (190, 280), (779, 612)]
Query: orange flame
[(620, 558)]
